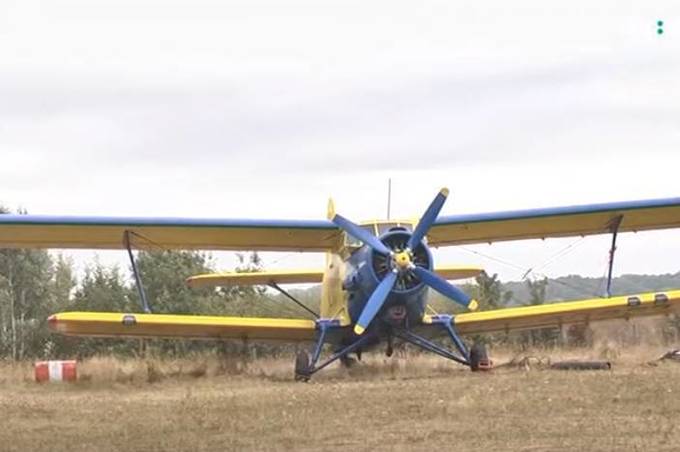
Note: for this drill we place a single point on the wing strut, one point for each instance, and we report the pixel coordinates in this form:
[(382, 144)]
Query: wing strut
[(280, 289), (135, 271), (614, 228)]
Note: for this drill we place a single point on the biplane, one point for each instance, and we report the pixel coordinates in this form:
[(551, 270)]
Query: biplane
[(375, 283)]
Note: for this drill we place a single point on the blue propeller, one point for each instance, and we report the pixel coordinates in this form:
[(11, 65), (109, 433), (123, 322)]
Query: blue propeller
[(376, 301), (444, 287), (428, 218), (401, 262)]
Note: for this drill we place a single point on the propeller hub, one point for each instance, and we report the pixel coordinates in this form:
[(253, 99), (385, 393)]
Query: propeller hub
[(403, 260)]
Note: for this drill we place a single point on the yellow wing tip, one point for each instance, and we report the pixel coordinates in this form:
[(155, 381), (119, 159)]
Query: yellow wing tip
[(473, 305), (444, 191), (52, 322), (331, 209), (196, 281), (359, 330)]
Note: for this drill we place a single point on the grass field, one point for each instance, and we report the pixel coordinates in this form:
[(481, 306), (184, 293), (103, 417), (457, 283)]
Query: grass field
[(420, 404)]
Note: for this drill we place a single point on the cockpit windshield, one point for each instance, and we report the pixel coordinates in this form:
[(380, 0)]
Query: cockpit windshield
[(386, 227), (376, 229), (353, 242)]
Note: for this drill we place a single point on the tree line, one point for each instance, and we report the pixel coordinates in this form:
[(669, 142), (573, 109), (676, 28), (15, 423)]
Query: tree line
[(35, 284)]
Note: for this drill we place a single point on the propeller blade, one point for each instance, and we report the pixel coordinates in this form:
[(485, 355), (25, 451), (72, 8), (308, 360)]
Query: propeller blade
[(360, 233), (445, 288), (374, 303), (428, 218)]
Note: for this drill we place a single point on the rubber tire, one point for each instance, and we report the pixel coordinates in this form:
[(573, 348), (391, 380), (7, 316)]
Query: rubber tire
[(302, 360), (348, 362), (478, 355)]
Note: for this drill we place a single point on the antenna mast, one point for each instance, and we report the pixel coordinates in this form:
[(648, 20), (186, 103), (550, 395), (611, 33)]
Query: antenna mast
[(389, 196)]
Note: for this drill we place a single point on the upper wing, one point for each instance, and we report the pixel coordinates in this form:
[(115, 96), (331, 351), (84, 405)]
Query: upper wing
[(556, 314), (555, 222), (38, 231), (181, 326)]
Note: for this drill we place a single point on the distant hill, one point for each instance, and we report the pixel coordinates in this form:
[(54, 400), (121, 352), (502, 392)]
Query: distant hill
[(572, 287), (577, 287)]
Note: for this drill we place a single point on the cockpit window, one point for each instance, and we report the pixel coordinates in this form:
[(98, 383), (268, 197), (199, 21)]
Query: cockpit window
[(386, 227), (353, 242), (376, 229)]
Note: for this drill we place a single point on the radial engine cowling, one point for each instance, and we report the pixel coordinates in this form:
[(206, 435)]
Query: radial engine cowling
[(397, 241)]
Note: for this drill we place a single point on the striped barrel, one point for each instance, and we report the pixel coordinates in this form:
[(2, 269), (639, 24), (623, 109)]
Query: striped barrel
[(55, 371)]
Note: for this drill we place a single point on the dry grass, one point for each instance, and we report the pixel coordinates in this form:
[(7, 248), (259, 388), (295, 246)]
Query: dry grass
[(385, 404)]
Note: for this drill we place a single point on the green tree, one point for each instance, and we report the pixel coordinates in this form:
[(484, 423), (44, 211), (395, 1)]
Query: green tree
[(102, 289), (62, 288), (25, 278), (537, 291), (490, 292), (164, 275), (63, 283)]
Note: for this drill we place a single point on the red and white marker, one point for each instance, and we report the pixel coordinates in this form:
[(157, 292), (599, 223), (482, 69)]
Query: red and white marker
[(55, 371)]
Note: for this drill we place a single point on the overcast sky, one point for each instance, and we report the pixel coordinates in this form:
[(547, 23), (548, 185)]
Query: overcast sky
[(264, 109)]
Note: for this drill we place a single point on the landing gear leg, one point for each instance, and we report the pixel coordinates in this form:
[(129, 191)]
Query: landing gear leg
[(306, 363), (476, 358)]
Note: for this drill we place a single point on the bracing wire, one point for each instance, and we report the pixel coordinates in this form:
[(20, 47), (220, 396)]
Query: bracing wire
[(278, 305), (561, 253), (148, 240), (526, 272), (598, 292), (500, 261)]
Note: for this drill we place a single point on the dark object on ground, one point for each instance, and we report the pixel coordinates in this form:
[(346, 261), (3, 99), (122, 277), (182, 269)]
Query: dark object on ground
[(581, 365), (673, 355), (479, 358), (527, 362)]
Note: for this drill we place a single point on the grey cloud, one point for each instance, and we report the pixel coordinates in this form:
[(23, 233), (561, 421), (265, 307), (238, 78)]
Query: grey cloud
[(454, 118)]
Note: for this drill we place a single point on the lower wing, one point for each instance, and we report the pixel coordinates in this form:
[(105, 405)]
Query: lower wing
[(110, 324), (565, 313), (296, 330)]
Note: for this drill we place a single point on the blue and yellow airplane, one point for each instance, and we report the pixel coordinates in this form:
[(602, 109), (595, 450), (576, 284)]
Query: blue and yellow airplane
[(375, 282)]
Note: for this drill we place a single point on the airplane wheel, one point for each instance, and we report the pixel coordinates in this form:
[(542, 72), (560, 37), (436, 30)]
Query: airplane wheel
[(479, 359), (302, 360), (347, 361)]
